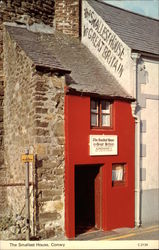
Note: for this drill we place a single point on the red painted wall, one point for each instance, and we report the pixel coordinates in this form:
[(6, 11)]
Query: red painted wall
[(117, 202)]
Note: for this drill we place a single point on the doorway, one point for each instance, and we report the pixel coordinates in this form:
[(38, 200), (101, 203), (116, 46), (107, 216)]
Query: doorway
[(88, 197)]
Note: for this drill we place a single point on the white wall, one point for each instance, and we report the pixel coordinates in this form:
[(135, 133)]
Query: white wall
[(97, 38), (152, 84), (150, 113), (150, 138)]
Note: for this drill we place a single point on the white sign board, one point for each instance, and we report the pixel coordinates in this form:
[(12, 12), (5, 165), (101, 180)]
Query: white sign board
[(103, 145)]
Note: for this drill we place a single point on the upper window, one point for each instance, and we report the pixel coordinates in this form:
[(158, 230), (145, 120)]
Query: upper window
[(100, 113)]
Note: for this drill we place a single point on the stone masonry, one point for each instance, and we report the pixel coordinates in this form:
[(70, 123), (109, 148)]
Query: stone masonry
[(34, 118), (22, 12), (35, 11), (67, 17), (3, 204)]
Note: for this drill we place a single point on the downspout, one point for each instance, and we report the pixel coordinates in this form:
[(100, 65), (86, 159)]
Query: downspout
[(137, 172), (136, 115)]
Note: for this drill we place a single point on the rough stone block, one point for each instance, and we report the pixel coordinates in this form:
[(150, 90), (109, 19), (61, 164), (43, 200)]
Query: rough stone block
[(53, 206), (59, 171), (45, 185), (42, 132), (61, 140), (40, 124), (41, 110), (43, 139), (41, 150), (59, 128), (45, 217)]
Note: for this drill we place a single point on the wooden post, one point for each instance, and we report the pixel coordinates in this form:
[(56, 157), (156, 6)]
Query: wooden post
[(27, 201)]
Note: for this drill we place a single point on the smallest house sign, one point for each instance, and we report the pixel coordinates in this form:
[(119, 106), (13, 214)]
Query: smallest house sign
[(103, 145)]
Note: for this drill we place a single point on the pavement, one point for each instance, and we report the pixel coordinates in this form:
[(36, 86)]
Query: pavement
[(146, 232)]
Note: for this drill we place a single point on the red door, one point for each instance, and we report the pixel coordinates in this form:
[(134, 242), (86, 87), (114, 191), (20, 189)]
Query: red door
[(98, 200)]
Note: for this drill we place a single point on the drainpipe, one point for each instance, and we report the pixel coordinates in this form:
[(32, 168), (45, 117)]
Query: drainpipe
[(137, 172), (136, 115)]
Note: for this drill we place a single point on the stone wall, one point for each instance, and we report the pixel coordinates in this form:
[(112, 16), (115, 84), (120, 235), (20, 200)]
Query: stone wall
[(49, 147), (34, 118), (28, 11), (18, 121), (37, 10), (3, 204), (67, 16)]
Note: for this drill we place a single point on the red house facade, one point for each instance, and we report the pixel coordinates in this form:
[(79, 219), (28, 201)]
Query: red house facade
[(99, 188)]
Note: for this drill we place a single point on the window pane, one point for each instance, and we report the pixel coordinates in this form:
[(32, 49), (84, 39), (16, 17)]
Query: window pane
[(94, 120), (106, 120), (118, 172), (105, 107), (94, 106)]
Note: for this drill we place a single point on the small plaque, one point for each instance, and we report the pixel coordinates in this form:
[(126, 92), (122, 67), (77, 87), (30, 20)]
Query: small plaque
[(27, 158), (103, 145)]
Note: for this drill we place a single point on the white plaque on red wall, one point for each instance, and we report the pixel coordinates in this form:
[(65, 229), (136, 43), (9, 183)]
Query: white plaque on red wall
[(103, 145)]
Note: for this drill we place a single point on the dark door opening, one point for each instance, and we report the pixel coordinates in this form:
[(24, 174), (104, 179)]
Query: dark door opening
[(87, 198)]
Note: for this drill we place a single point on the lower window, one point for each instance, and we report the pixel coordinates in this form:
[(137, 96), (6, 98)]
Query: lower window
[(118, 174)]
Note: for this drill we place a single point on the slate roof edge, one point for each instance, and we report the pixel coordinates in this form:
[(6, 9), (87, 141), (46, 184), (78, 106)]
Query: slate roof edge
[(38, 66), (125, 10), (52, 69), (146, 54), (72, 91)]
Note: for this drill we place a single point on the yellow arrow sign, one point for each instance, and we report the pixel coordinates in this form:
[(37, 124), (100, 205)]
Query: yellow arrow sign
[(27, 158)]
